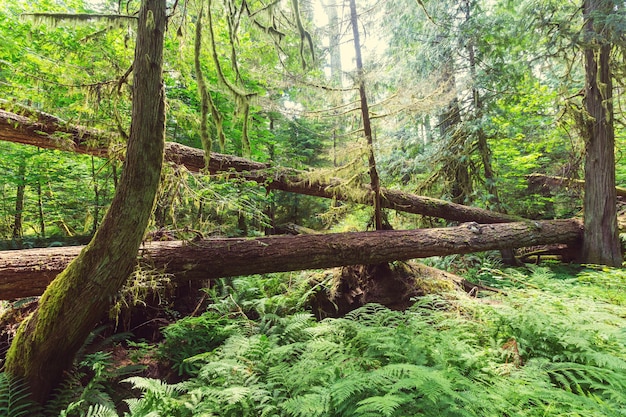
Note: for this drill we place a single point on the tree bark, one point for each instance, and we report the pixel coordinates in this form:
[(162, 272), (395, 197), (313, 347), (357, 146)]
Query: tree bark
[(601, 243), (26, 273), (49, 132), (46, 342)]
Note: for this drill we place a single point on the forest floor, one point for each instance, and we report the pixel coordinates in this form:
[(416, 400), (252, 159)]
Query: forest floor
[(540, 340)]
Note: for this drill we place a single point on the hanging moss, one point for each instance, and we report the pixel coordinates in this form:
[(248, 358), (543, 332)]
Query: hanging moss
[(53, 19)]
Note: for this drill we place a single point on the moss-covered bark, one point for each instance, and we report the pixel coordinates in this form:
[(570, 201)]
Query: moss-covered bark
[(46, 342)]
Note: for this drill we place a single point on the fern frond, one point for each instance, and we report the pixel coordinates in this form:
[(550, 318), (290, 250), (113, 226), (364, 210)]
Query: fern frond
[(232, 395), (15, 398), (155, 386), (375, 314), (345, 390), (586, 379), (100, 410), (385, 405), (308, 405)]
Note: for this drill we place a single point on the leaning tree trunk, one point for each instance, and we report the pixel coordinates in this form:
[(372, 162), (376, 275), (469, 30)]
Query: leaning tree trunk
[(601, 239), (47, 341), (27, 272), (555, 182), (20, 129)]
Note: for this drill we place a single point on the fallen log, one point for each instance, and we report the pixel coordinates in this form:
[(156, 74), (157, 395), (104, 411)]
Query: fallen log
[(552, 181), (46, 131), (27, 272)]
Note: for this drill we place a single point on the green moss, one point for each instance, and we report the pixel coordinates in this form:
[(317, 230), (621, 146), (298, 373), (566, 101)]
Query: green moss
[(53, 299)]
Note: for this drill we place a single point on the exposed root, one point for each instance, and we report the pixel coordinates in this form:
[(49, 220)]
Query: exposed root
[(392, 285)]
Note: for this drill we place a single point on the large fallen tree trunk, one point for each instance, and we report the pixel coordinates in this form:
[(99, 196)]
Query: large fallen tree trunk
[(46, 131), (552, 181), (27, 272)]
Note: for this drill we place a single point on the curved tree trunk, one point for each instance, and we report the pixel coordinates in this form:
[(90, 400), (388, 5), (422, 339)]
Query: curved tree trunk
[(47, 341)]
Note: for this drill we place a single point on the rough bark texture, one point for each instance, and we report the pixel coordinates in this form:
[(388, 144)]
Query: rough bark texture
[(76, 300), (601, 243), (49, 132), (41, 133), (27, 272)]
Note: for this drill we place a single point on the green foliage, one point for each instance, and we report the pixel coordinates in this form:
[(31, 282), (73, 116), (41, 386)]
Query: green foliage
[(158, 399), (552, 345), (541, 349), (59, 197), (89, 388), (15, 398), (191, 336)]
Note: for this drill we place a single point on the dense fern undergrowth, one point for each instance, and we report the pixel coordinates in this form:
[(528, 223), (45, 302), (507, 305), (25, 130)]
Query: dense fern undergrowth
[(552, 343)]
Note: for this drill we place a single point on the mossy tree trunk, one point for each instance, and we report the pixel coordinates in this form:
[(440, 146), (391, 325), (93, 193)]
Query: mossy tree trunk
[(601, 239), (76, 300)]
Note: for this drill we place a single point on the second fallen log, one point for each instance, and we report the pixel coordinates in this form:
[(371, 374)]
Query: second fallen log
[(27, 272)]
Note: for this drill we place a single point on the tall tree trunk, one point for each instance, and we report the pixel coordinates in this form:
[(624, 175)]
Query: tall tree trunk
[(42, 222), (45, 344), (96, 196), (493, 199), (367, 125), (336, 75), (601, 238), (330, 7), (457, 171), (17, 231), (458, 174)]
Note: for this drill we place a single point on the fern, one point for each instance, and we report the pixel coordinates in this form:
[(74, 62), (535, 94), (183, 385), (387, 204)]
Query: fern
[(158, 398), (98, 410), (15, 398), (385, 405), (587, 379), (155, 387), (542, 350), (315, 404)]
